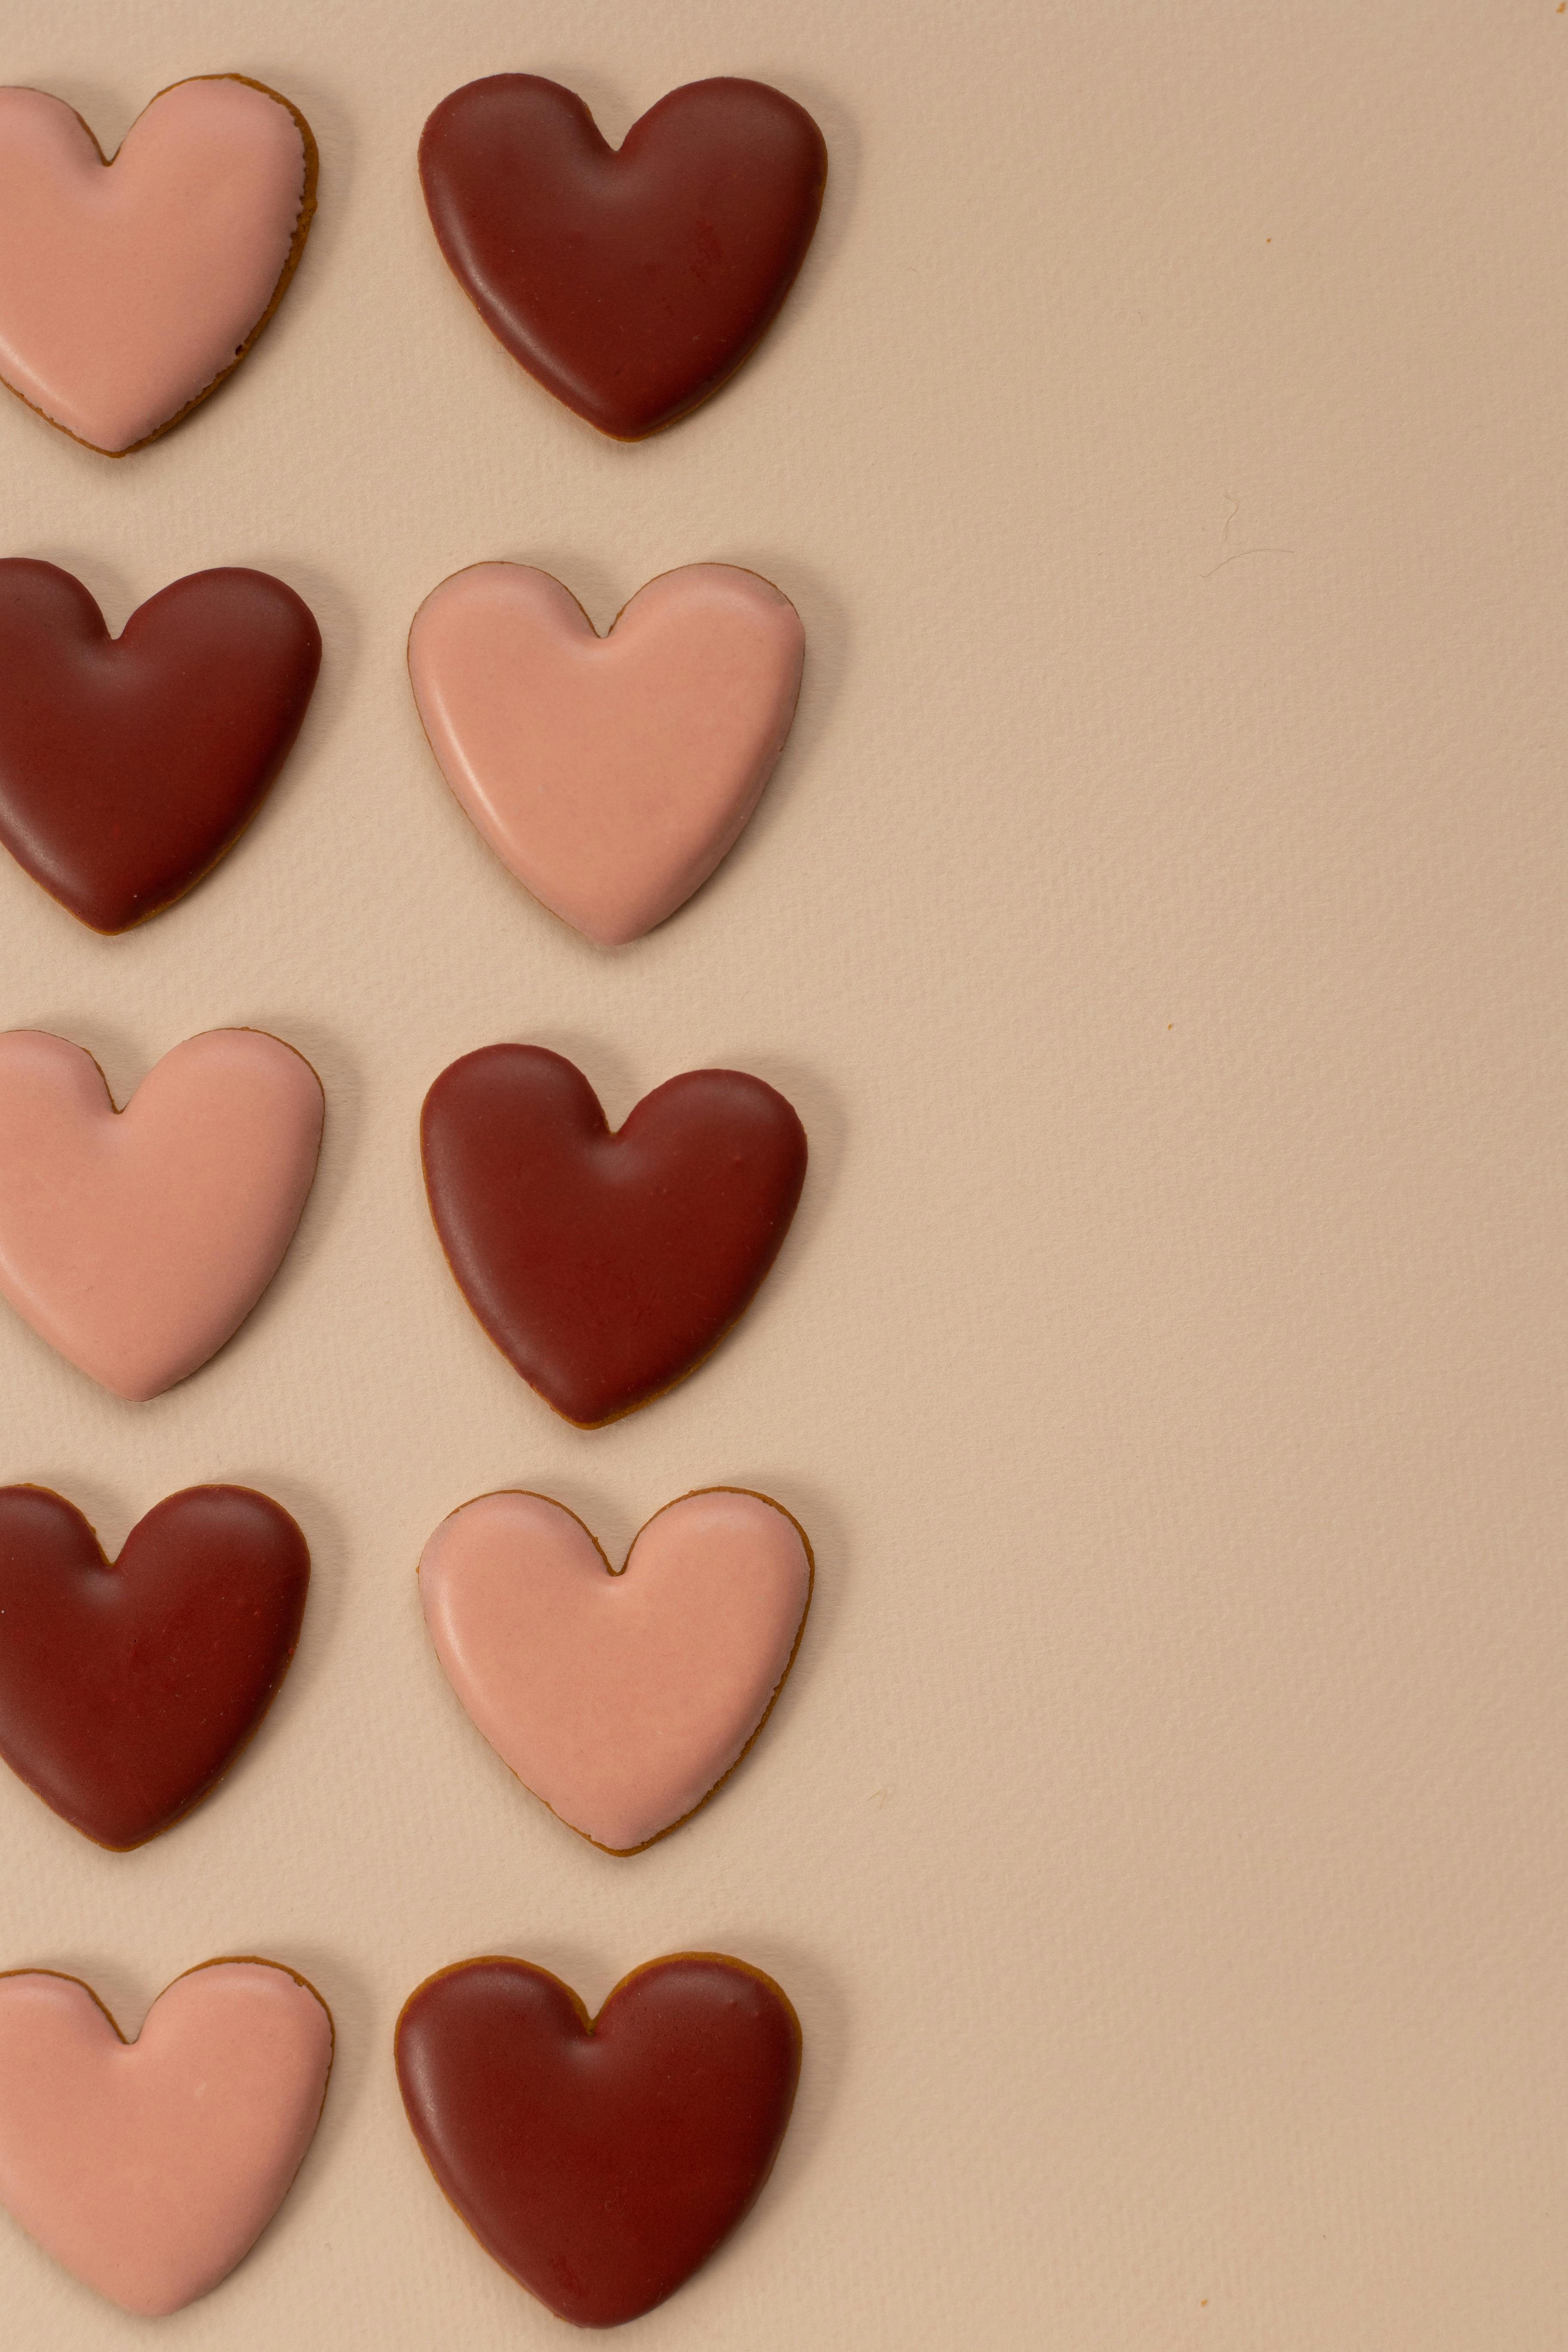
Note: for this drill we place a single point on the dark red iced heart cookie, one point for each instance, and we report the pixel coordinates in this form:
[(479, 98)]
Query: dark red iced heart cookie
[(601, 2162), (606, 1266), (126, 1691), (128, 764), (630, 282)]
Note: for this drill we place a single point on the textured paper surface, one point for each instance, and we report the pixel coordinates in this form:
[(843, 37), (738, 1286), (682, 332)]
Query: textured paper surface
[(1158, 919)]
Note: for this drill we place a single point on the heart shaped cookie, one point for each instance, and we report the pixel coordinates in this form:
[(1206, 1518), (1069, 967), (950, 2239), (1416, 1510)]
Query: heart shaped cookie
[(137, 1242), (130, 289), (611, 774), (127, 1689), (621, 1700), (600, 2162), (630, 282), (130, 764), (150, 2167), (604, 1266)]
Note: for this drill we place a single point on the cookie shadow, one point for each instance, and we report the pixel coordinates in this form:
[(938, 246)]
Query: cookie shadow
[(332, 127), (277, 351), (823, 1115), (326, 1534), (827, 1531), (821, 2002), (342, 1073), (340, 644), (828, 633), (304, 768), (840, 198), (351, 1998)]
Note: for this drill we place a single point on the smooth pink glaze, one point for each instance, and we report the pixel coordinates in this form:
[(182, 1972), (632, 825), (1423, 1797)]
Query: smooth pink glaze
[(610, 774), (126, 288), (137, 1242), (149, 2168), (621, 1700)]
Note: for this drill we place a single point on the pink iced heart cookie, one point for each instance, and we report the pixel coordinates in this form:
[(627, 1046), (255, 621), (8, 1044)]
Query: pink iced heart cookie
[(611, 774), (150, 2167), (137, 1242), (621, 1700), (130, 289)]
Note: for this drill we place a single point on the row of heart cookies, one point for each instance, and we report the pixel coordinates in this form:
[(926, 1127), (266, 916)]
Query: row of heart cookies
[(605, 1266), (610, 774), (600, 2162), (621, 1698), (630, 283)]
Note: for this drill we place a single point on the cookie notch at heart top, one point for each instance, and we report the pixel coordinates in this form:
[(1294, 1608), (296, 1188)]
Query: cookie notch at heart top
[(652, 2127), (630, 282), (131, 287), (130, 765), (606, 1266), (611, 776), (623, 1700), (129, 1689)]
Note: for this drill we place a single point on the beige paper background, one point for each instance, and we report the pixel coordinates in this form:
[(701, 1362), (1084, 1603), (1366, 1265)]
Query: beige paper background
[(1158, 919)]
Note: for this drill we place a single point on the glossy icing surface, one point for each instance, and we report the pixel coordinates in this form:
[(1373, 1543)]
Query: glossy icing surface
[(611, 774), (620, 1699), (150, 2167), (137, 1242), (128, 764), (606, 1266), (629, 282), (126, 1689), (129, 289), (600, 2164)]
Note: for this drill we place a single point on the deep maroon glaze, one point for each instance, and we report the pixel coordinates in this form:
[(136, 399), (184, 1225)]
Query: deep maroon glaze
[(126, 1691), (600, 2164), (606, 1266), (630, 282), (128, 764)]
